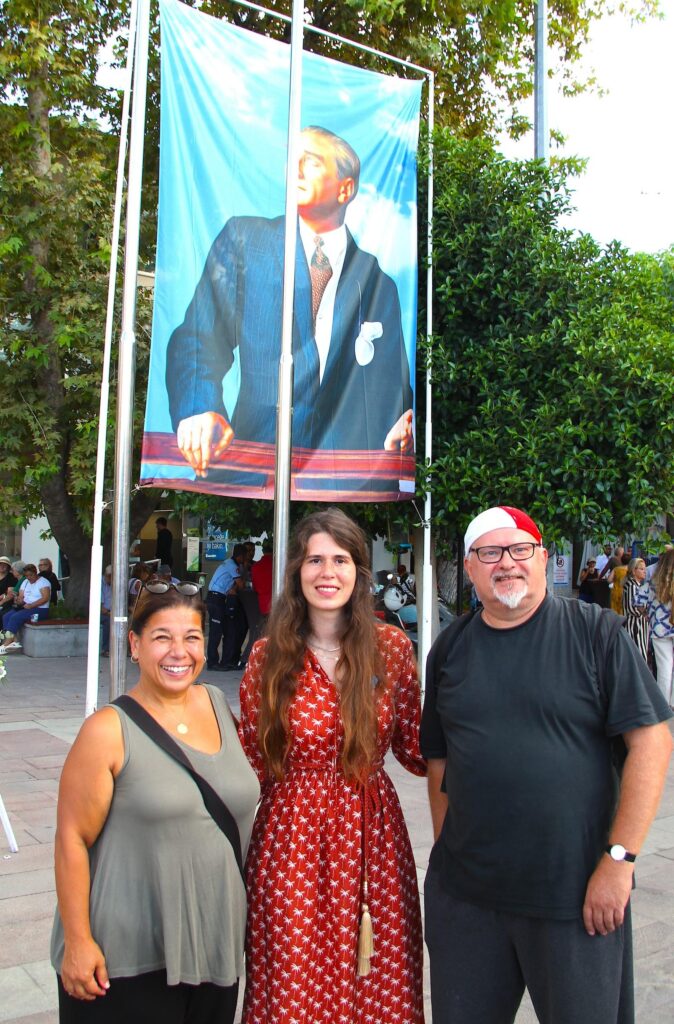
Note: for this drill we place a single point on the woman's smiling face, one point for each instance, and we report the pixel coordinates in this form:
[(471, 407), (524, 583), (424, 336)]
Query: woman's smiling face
[(170, 649), (328, 574)]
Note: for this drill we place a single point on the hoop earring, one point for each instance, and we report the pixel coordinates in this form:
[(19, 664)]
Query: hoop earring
[(134, 661)]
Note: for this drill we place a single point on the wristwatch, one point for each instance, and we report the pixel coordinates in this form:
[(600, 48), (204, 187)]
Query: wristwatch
[(618, 852)]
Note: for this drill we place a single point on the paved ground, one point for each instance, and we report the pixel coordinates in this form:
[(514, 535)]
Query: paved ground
[(41, 708)]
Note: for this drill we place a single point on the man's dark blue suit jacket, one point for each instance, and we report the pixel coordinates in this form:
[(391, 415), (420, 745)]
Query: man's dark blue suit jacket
[(238, 303)]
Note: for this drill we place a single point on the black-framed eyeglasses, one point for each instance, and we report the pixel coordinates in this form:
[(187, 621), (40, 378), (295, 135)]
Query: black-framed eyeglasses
[(491, 553)]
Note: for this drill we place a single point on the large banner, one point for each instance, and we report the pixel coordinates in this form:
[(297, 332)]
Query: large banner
[(210, 422)]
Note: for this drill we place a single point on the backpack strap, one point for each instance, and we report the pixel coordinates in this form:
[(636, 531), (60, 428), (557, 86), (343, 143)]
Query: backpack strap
[(215, 805)]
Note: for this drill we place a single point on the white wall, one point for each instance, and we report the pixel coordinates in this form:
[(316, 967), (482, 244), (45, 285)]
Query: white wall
[(381, 558), (33, 548)]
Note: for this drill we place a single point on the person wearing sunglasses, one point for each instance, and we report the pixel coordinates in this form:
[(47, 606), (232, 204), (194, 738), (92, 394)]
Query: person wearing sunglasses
[(530, 877), (155, 810)]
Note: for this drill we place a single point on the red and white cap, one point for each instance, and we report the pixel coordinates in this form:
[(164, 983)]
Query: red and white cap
[(498, 518)]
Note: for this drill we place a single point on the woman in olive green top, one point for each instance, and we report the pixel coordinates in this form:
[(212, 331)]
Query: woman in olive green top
[(151, 905)]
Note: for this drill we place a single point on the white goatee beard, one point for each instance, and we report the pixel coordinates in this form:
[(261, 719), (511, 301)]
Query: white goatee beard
[(513, 598)]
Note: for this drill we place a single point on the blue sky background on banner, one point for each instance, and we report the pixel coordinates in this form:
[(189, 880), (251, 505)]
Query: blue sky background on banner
[(224, 121)]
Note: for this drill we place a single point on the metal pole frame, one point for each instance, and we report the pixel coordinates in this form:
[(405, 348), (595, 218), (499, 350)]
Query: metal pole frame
[(541, 134), (284, 408), (338, 39), (7, 827), (91, 698), (127, 363), (426, 636), (285, 376), (127, 355)]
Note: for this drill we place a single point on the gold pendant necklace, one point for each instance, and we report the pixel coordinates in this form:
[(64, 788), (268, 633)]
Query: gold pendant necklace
[(180, 727)]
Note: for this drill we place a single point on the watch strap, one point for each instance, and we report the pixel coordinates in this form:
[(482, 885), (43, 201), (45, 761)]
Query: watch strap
[(631, 857)]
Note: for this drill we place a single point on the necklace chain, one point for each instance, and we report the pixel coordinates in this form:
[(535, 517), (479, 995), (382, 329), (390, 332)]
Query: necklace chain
[(180, 726), (327, 653), (326, 656), (328, 650)]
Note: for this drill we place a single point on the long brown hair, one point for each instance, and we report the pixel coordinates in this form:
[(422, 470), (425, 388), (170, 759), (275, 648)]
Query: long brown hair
[(663, 580), (360, 666)]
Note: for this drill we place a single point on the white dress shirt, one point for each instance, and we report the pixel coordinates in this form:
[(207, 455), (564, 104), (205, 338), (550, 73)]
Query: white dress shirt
[(334, 247)]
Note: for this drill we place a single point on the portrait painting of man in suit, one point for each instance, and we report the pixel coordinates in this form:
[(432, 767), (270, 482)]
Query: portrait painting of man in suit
[(212, 393), (351, 374)]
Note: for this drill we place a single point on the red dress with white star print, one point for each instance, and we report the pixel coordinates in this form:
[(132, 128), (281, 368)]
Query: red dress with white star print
[(305, 860)]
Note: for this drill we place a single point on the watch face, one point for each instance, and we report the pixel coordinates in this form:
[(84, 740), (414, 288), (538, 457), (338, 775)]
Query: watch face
[(618, 852)]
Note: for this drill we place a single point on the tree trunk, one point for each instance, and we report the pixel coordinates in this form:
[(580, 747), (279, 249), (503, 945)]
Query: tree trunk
[(55, 491), (76, 544)]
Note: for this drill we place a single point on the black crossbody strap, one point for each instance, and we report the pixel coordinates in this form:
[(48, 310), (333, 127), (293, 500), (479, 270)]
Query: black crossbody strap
[(215, 806)]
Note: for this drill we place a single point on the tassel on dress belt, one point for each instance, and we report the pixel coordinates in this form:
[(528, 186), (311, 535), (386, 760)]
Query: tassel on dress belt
[(365, 936), (365, 931)]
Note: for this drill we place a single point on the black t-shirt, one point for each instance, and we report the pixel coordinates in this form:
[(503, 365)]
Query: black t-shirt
[(55, 585), (519, 717), (164, 550)]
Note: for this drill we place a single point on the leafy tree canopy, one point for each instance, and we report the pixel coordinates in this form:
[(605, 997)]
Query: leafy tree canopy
[(482, 53), (552, 361), (56, 190)]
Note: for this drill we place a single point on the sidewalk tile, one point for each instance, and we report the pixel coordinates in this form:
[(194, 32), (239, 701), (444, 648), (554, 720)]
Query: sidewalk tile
[(31, 858), (33, 907), (27, 883), (26, 941), (50, 1017), (28, 988)]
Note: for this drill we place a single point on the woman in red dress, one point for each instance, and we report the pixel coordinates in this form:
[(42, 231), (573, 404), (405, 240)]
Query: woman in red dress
[(322, 700)]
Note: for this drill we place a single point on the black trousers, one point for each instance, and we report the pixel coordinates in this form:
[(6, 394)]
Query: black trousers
[(226, 622), (482, 960), (147, 999), (216, 614)]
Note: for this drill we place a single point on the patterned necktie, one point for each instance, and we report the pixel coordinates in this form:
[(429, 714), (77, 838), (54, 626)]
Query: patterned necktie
[(321, 272)]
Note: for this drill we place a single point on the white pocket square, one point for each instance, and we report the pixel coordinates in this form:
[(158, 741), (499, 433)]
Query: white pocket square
[(369, 332)]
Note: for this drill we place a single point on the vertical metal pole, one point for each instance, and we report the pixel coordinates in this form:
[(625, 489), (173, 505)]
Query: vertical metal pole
[(427, 576), (541, 135), (285, 381), (7, 826), (96, 546), (127, 363)]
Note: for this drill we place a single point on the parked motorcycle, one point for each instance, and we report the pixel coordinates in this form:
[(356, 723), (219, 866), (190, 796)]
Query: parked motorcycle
[(396, 603)]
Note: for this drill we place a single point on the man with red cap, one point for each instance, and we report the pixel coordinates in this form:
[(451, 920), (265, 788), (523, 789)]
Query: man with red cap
[(531, 873)]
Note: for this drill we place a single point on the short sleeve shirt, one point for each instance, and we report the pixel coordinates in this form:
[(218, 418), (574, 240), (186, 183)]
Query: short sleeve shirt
[(518, 715), (223, 577), (32, 591)]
